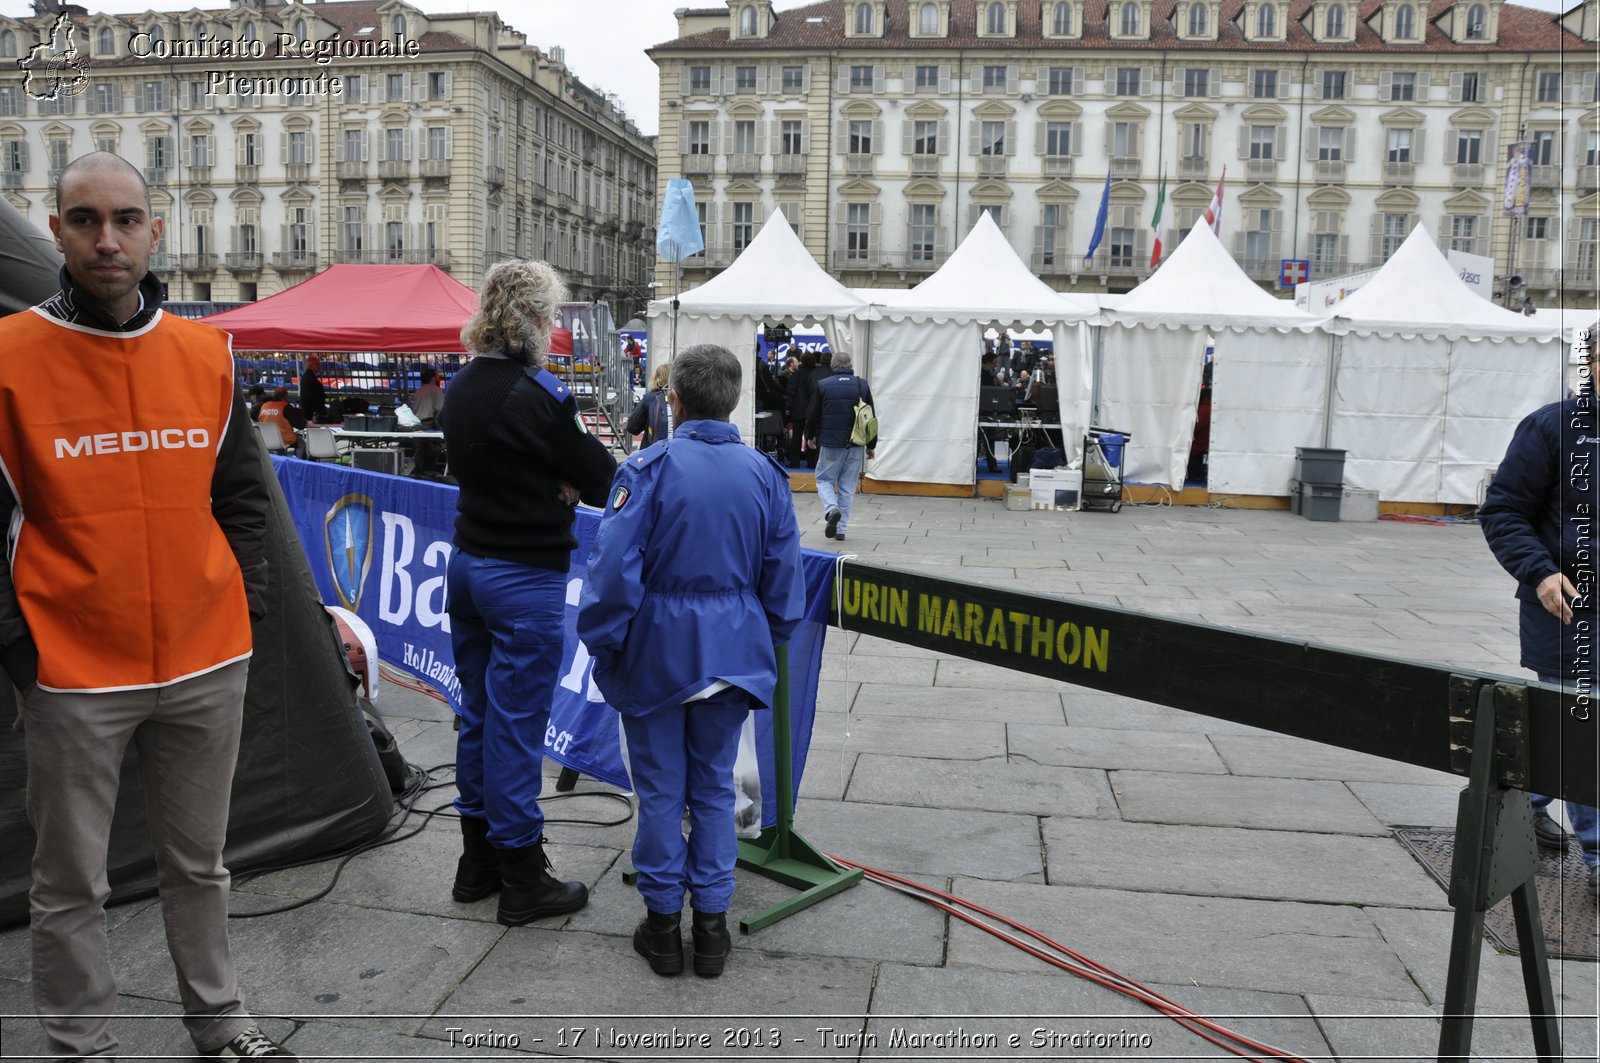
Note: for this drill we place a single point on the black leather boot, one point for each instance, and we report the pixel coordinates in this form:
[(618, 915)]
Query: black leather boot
[(659, 939), (529, 891), (712, 943), (478, 870)]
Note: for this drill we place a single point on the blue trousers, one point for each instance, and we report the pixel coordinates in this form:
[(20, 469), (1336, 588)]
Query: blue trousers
[(682, 757), (506, 625), (838, 474), (1585, 820)]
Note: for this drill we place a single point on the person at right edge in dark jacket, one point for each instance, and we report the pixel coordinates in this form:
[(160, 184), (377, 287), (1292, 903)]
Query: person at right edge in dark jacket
[(523, 460), (1539, 518)]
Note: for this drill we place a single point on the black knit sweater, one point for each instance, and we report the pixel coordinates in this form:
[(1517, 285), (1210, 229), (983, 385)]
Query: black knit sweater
[(512, 444)]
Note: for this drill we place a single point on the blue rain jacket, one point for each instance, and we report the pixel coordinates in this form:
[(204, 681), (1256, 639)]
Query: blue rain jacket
[(695, 573)]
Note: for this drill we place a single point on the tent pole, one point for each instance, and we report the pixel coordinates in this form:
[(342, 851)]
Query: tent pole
[(1335, 349)]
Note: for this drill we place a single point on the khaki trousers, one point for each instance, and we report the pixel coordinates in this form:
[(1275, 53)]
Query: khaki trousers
[(187, 735)]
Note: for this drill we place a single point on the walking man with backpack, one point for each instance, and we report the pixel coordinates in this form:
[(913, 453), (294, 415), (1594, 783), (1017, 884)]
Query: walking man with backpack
[(841, 422)]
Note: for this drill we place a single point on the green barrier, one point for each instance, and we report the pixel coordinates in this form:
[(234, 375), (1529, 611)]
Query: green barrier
[(1505, 735)]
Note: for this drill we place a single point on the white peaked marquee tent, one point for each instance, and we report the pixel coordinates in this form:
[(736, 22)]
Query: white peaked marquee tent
[(1267, 355), (1429, 380), (774, 279), (925, 356)]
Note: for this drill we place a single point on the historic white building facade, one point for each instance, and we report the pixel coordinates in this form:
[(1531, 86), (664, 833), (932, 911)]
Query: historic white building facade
[(280, 139), (881, 128)]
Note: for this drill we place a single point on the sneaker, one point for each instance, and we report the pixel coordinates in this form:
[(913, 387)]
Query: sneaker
[(252, 1044), (839, 538), (832, 517), (1548, 833)]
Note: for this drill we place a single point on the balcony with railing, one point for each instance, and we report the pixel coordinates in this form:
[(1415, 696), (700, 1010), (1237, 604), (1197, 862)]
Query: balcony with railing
[(697, 163), (495, 176), (1059, 262), (789, 165), (1399, 174), (155, 175), (10, 178), (351, 256), (394, 169), (1057, 165), (162, 262), (1260, 269), (352, 171), (1329, 171), (1545, 177), (924, 165), (859, 164), (297, 171), (244, 261), (199, 175), (1588, 179), (1125, 167), (294, 261), (744, 162), (1322, 268), (1193, 168), (992, 165), (1541, 278), (247, 173), (436, 167), (1261, 170), (1467, 175), (199, 262)]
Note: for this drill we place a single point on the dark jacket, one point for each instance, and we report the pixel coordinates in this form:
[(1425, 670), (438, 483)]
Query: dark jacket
[(832, 416), (513, 441), (240, 498), (770, 394), (650, 417), (798, 393), (1539, 518)]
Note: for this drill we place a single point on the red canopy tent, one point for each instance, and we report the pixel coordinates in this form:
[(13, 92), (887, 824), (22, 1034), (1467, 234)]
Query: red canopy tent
[(416, 309)]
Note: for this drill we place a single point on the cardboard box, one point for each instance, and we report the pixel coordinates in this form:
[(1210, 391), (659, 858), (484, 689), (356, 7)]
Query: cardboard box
[(1056, 489)]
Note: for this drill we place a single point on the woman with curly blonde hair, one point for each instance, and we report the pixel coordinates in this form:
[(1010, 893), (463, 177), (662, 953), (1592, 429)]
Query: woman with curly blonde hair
[(523, 459)]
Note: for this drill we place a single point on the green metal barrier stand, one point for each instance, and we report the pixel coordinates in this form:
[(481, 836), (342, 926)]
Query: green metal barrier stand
[(782, 853)]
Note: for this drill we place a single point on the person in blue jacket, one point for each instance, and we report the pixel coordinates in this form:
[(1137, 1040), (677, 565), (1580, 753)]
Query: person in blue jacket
[(1539, 518), (693, 580)]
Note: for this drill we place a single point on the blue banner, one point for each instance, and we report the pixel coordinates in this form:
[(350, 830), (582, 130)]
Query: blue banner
[(380, 546)]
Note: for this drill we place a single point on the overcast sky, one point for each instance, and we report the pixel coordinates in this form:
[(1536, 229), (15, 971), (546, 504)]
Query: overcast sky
[(604, 39)]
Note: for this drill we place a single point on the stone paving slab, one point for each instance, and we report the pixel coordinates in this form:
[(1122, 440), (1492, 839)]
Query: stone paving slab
[(959, 703), (924, 842), (1230, 862), (1111, 747), (998, 682), (387, 966), (474, 1040), (1410, 804), (1239, 801), (1268, 946), (1296, 758), (1363, 1028), (1056, 1015), (894, 671), (1088, 708), (909, 736), (987, 785)]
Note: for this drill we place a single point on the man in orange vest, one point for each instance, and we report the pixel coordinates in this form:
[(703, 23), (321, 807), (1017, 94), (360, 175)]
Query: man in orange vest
[(280, 413), (137, 506)]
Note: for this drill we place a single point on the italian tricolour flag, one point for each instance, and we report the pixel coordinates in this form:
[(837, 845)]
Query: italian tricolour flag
[(1155, 224)]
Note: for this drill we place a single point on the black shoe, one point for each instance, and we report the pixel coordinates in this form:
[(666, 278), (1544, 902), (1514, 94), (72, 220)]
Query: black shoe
[(832, 526), (994, 466), (529, 891), (1548, 833), (478, 870), (659, 939), (838, 537), (712, 943), (251, 1044)]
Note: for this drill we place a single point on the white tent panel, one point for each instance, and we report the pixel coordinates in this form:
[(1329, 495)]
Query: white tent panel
[(1490, 392), (1150, 389), (1388, 414), (735, 333), (1074, 379), (1269, 396), (924, 380), (1201, 286)]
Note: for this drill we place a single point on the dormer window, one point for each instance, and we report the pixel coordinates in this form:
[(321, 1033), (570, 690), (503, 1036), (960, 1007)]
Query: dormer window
[(863, 19), (300, 31), (928, 20), (1477, 23), (250, 32), (1061, 20), (1197, 20), (996, 18), (104, 41), (747, 21), (1266, 21), (8, 44), (158, 35), (1130, 19), (1405, 22), (1335, 26), (399, 29), (200, 36)]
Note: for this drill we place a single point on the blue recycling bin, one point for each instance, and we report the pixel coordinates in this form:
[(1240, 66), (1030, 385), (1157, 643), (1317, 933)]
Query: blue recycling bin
[(1111, 446)]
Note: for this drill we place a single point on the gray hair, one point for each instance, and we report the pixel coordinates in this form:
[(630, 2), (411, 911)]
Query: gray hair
[(516, 312), (706, 378), (841, 360)]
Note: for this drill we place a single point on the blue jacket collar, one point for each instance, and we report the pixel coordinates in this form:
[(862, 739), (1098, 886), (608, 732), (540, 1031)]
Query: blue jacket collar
[(707, 431)]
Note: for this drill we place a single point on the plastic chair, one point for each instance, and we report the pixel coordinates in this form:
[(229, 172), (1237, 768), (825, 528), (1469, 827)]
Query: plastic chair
[(322, 444), (272, 438)]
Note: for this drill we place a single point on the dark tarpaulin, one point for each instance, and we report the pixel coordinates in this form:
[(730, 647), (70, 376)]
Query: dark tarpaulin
[(28, 262), (308, 780)]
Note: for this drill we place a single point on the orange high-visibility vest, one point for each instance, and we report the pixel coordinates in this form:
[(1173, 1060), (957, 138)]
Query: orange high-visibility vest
[(109, 441), (274, 413)]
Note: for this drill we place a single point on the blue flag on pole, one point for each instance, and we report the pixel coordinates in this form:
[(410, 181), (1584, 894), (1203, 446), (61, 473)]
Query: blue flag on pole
[(679, 234), (1100, 221)]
